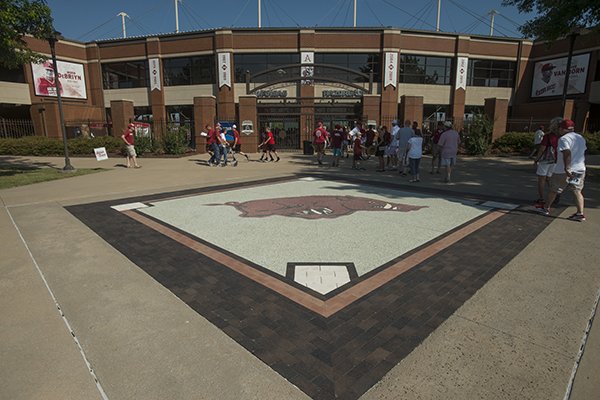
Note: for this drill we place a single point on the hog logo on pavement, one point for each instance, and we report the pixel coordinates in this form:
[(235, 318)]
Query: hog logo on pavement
[(315, 207)]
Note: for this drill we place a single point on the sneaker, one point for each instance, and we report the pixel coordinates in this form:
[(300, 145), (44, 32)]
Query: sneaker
[(543, 211), (247, 158), (235, 163), (577, 217), (277, 159)]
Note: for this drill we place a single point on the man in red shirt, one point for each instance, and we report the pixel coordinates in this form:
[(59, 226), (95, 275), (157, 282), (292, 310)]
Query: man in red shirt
[(212, 141), (337, 140), (129, 138), (268, 145), (320, 138), (237, 145)]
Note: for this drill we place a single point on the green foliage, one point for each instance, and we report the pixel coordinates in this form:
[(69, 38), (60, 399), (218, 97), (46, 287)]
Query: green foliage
[(479, 138), (554, 19), (17, 19), (175, 140), (43, 146), (514, 143), (592, 142), (146, 144)]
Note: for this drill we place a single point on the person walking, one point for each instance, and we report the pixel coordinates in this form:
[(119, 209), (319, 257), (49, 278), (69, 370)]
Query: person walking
[(223, 145), (212, 141), (449, 142), (545, 160), (268, 146), (337, 142), (237, 145), (320, 138), (128, 137), (569, 171), (404, 133), (415, 153), (392, 149), (435, 148), (537, 140), (357, 150)]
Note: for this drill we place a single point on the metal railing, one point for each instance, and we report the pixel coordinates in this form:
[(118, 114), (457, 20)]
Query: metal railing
[(16, 128)]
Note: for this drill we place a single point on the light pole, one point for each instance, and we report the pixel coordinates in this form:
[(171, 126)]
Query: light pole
[(52, 39), (572, 36)]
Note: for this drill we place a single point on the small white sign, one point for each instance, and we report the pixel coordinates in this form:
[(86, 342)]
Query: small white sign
[(100, 153), (247, 127), (462, 65), (391, 69), (224, 69), (154, 74)]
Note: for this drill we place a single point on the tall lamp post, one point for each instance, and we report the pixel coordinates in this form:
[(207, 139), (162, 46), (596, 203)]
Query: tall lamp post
[(52, 39)]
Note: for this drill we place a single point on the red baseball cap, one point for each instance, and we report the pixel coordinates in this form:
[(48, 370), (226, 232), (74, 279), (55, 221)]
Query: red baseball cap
[(548, 67), (567, 124)]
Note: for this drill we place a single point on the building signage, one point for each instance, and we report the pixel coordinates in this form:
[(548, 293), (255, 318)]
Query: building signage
[(308, 71), (224, 69), (391, 69), (271, 93), (71, 79), (343, 93), (154, 74), (247, 127), (462, 65), (549, 76)]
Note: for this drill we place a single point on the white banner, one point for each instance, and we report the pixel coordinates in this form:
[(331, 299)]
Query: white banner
[(391, 69), (549, 76), (307, 57), (224, 69), (462, 65), (71, 79), (154, 73)]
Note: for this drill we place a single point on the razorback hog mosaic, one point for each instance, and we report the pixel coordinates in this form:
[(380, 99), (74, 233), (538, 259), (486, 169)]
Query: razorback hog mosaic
[(315, 207)]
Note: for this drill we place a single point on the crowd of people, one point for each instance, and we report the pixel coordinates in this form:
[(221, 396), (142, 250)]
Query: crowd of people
[(399, 149)]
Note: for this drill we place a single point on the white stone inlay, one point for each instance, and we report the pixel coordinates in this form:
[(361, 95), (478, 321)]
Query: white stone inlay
[(322, 278), (128, 206), (502, 206)]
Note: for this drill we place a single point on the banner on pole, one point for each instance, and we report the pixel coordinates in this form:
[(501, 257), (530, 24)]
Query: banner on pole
[(224, 69), (391, 69), (462, 65), (154, 74), (308, 71)]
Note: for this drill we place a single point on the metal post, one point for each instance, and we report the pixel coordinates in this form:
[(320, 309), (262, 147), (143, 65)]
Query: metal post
[(123, 15), (355, 13), (259, 22), (176, 16), (437, 26), (52, 41), (572, 38), (492, 14)]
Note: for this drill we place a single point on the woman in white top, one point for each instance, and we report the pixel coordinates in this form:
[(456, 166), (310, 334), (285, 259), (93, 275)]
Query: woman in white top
[(414, 154)]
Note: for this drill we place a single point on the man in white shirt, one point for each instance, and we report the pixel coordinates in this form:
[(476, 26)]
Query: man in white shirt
[(537, 140), (569, 172), (404, 133)]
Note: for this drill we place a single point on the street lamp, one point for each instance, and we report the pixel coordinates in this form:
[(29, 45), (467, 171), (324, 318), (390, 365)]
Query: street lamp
[(577, 31), (52, 39)]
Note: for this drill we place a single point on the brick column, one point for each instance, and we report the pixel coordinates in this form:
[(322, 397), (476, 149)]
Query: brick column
[(223, 44), (157, 96), (411, 107), (205, 112), (389, 94), (248, 113), (122, 114), (497, 111), (307, 43), (371, 108), (463, 44), (94, 69)]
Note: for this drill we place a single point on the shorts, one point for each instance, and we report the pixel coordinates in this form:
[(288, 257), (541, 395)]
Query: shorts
[(435, 149), (545, 169), (337, 152), (380, 151), (130, 149), (558, 183), (237, 148), (319, 147), (448, 162), (357, 156)]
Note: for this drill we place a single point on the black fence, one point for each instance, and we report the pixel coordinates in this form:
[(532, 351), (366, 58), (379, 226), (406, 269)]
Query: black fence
[(16, 128)]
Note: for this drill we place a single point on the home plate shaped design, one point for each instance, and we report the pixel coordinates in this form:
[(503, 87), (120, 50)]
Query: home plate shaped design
[(321, 279)]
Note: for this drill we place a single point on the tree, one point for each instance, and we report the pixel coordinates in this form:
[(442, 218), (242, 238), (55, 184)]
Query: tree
[(556, 19), (17, 19)]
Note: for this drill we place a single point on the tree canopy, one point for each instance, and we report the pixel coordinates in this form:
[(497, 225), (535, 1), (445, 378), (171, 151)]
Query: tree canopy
[(17, 19), (556, 19)]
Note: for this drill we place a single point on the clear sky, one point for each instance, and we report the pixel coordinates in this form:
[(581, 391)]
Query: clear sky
[(88, 20)]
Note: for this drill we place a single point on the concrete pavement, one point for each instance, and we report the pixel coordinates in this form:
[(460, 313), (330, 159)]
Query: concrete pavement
[(517, 337)]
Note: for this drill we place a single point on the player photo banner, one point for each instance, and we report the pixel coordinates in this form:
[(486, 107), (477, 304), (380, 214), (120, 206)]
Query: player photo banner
[(462, 66), (71, 79), (224, 69), (549, 76), (391, 69), (154, 74), (308, 71)]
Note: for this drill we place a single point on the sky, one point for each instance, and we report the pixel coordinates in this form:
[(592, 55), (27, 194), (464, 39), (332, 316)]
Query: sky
[(88, 20)]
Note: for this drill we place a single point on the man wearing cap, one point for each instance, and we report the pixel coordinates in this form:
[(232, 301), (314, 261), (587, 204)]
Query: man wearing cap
[(46, 85), (237, 145), (547, 72), (392, 149), (403, 135), (129, 137), (320, 139), (569, 171), (448, 145)]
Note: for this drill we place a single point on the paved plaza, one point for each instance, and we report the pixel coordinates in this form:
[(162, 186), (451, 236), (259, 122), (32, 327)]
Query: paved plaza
[(292, 281)]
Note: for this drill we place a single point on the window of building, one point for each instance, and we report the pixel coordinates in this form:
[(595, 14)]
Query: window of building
[(128, 74), (425, 69), (360, 62), (181, 113), (491, 73), (255, 63), (198, 70), (436, 112), (12, 75)]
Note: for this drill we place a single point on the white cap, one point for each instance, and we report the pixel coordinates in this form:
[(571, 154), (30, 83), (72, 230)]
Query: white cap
[(233, 126)]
